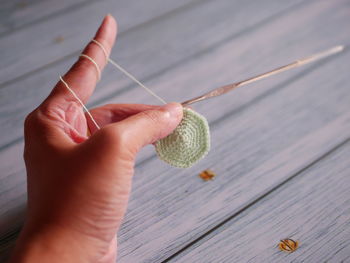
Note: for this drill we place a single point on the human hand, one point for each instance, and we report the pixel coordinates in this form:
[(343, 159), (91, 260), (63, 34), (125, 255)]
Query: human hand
[(78, 186)]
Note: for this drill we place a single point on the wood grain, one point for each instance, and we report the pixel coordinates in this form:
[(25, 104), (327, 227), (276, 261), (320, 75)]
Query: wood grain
[(17, 14), (134, 56), (14, 123), (280, 132), (261, 135), (313, 207), (26, 56)]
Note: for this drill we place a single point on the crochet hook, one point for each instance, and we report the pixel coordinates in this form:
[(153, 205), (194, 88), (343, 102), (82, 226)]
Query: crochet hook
[(227, 88)]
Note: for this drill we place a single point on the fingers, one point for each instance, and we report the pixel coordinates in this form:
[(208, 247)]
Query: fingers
[(83, 75), (113, 113), (143, 128)]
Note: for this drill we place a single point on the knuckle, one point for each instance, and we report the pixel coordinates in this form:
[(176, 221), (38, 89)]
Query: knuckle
[(104, 43), (29, 120), (32, 120), (122, 137), (83, 65), (45, 109), (114, 136), (37, 119), (49, 111), (155, 119), (116, 141), (151, 116), (31, 125)]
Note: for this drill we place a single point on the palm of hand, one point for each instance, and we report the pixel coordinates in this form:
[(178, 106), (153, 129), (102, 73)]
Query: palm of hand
[(57, 132), (78, 186)]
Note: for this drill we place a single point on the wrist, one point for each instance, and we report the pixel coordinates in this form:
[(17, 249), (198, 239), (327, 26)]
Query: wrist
[(50, 244)]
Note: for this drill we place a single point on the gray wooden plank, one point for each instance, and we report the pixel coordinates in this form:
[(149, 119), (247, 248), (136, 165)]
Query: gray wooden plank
[(18, 122), (15, 14), (313, 207), (228, 102), (25, 56), (14, 113), (134, 56), (18, 173), (176, 86), (246, 97), (180, 208), (132, 227), (13, 119)]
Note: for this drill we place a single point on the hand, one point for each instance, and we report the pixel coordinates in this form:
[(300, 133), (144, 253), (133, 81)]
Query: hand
[(78, 187)]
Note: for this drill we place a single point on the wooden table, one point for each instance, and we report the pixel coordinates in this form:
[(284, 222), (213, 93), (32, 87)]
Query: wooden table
[(280, 147)]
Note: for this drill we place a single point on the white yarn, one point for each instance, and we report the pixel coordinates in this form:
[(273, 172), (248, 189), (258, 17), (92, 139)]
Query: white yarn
[(95, 64), (99, 76), (82, 104), (115, 64), (102, 47)]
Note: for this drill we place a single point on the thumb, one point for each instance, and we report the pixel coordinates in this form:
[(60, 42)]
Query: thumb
[(147, 126)]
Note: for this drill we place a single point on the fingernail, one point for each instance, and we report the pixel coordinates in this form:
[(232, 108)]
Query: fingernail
[(106, 18), (174, 109)]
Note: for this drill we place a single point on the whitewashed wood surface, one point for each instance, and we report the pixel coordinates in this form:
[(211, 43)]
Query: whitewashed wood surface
[(72, 25), (17, 14), (263, 136), (313, 208)]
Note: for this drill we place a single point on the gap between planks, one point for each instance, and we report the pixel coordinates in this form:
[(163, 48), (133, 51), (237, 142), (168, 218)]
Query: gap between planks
[(69, 8), (276, 228), (322, 144), (55, 60), (178, 64), (227, 220)]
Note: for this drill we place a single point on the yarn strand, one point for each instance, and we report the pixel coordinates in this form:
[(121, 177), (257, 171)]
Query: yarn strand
[(98, 70), (115, 64), (82, 104), (129, 75), (135, 80)]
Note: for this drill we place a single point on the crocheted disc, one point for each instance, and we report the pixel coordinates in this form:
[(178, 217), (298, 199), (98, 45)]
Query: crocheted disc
[(188, 143)]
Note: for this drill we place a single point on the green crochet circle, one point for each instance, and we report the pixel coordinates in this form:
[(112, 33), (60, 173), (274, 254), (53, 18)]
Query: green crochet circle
[(188, 143)]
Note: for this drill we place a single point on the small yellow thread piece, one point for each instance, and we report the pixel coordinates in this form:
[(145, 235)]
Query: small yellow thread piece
[(207, 175), (288, 245)]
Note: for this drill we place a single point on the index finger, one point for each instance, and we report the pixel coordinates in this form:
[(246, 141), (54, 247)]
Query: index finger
[(82, 76)]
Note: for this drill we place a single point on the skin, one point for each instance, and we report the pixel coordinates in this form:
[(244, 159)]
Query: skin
[(79, 185)]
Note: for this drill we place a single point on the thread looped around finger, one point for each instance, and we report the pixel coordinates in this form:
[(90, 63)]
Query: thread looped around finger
[(102, 48), (81, 103), (95, 64)]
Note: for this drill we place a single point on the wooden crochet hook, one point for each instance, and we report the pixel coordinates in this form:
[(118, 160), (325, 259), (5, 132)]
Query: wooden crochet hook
[(227, 88)]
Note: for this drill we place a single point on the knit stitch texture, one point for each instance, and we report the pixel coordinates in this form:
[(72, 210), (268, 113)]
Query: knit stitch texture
[(188, 143)]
